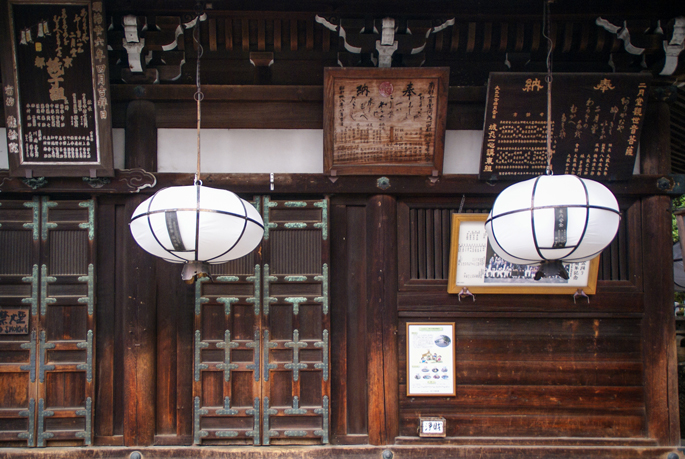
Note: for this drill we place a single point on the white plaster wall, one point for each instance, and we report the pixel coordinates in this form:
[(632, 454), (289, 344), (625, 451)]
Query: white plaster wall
[(280, 151), (4, 162)]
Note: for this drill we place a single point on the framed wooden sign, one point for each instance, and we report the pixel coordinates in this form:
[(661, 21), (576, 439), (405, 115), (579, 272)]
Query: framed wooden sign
[(384, 121), (55, 82), (596, 124), (475, 265), (430, 359)]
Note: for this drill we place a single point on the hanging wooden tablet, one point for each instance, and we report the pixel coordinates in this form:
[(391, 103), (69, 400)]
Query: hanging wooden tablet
[(56, 88)]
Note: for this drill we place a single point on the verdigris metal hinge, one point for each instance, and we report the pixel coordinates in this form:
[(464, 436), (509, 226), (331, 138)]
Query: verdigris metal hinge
[(90, 225), (323, 278), (295, 433), (267, 282), (227, 345), (295, 204), (227, 302), (254, 433), (42, 414), (267, 414), (296, 407), (88, 414), (324, 218), (256, 353), (31, 367), (199, 345), (33, 301), (42, 367), (197, 412), (296, 344), (88, 346), (267, 345), (35, 205), (268, 225), (90, 278), (324, 345), (223, 412), (45, 224), (31, 414), (199, 300), (227, 410), (295, 301), (324, 412), (44, 280), (257, 298)]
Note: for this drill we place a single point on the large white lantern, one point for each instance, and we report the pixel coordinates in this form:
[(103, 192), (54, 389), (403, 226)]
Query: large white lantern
[(196, 225), (552, 218)]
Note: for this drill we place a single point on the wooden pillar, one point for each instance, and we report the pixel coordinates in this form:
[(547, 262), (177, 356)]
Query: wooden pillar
[(141, 136), (383, 389), (140, 339), (658, 325)]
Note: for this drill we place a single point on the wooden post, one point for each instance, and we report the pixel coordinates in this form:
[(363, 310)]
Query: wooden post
[(658, 325), (140, 341), (141, 136), (382, 320)]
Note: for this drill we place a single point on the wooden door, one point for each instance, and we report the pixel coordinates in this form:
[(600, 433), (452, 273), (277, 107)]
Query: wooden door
[(261, 367), (47, 316)]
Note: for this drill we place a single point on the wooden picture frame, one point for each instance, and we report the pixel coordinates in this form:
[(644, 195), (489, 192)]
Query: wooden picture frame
[(55, 77), (470, 270), (431, 359), (384, 120)]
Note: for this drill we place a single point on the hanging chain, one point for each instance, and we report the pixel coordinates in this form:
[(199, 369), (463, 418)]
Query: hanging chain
[(198, 93), (547, 25)]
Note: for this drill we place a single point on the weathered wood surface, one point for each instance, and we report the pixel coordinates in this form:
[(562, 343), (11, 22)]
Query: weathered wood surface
[(359, 452), (137, 180)]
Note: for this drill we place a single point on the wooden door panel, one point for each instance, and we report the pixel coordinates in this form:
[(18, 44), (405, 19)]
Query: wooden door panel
[(48, 277), (261, 340)]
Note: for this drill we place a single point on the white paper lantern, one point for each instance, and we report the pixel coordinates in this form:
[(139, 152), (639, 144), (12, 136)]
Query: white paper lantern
[(678, 269), (197, 224), (551, 218)]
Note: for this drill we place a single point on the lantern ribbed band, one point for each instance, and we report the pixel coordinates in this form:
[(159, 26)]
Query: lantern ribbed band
[(552, 228)]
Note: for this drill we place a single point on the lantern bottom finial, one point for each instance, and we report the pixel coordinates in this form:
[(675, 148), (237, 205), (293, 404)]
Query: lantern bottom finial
[(551, 268), (194, 269)]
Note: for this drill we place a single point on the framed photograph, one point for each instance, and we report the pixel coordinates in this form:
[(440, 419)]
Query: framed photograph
[(384, 120), (430, 359), (475, 265), (55, 83)]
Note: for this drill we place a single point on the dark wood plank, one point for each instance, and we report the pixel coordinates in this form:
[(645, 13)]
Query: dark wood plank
[(141, 136), (105, 349), (658, 333), (382, 320), (139, 341)]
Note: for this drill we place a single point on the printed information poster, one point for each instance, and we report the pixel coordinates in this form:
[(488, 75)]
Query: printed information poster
[(430, 359)]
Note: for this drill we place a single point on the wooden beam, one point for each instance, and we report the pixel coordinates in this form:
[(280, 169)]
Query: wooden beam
[(140, 181)]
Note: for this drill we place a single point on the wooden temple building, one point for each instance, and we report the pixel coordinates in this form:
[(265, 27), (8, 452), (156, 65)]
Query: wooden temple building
[(301, 349)]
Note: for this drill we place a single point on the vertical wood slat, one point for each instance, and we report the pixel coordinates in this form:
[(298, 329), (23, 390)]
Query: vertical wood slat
[(277, 35), (212, 34), (105, 320), (421, 223), (245, 26), (293, 35), (139, 341), (261, 35), (430, 245), (382, 321), (413, 244), (228, 34)]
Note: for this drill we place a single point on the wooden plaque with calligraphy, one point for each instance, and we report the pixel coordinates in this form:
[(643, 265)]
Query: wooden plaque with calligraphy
[(55, 85), (384, 121), (596, 123)]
